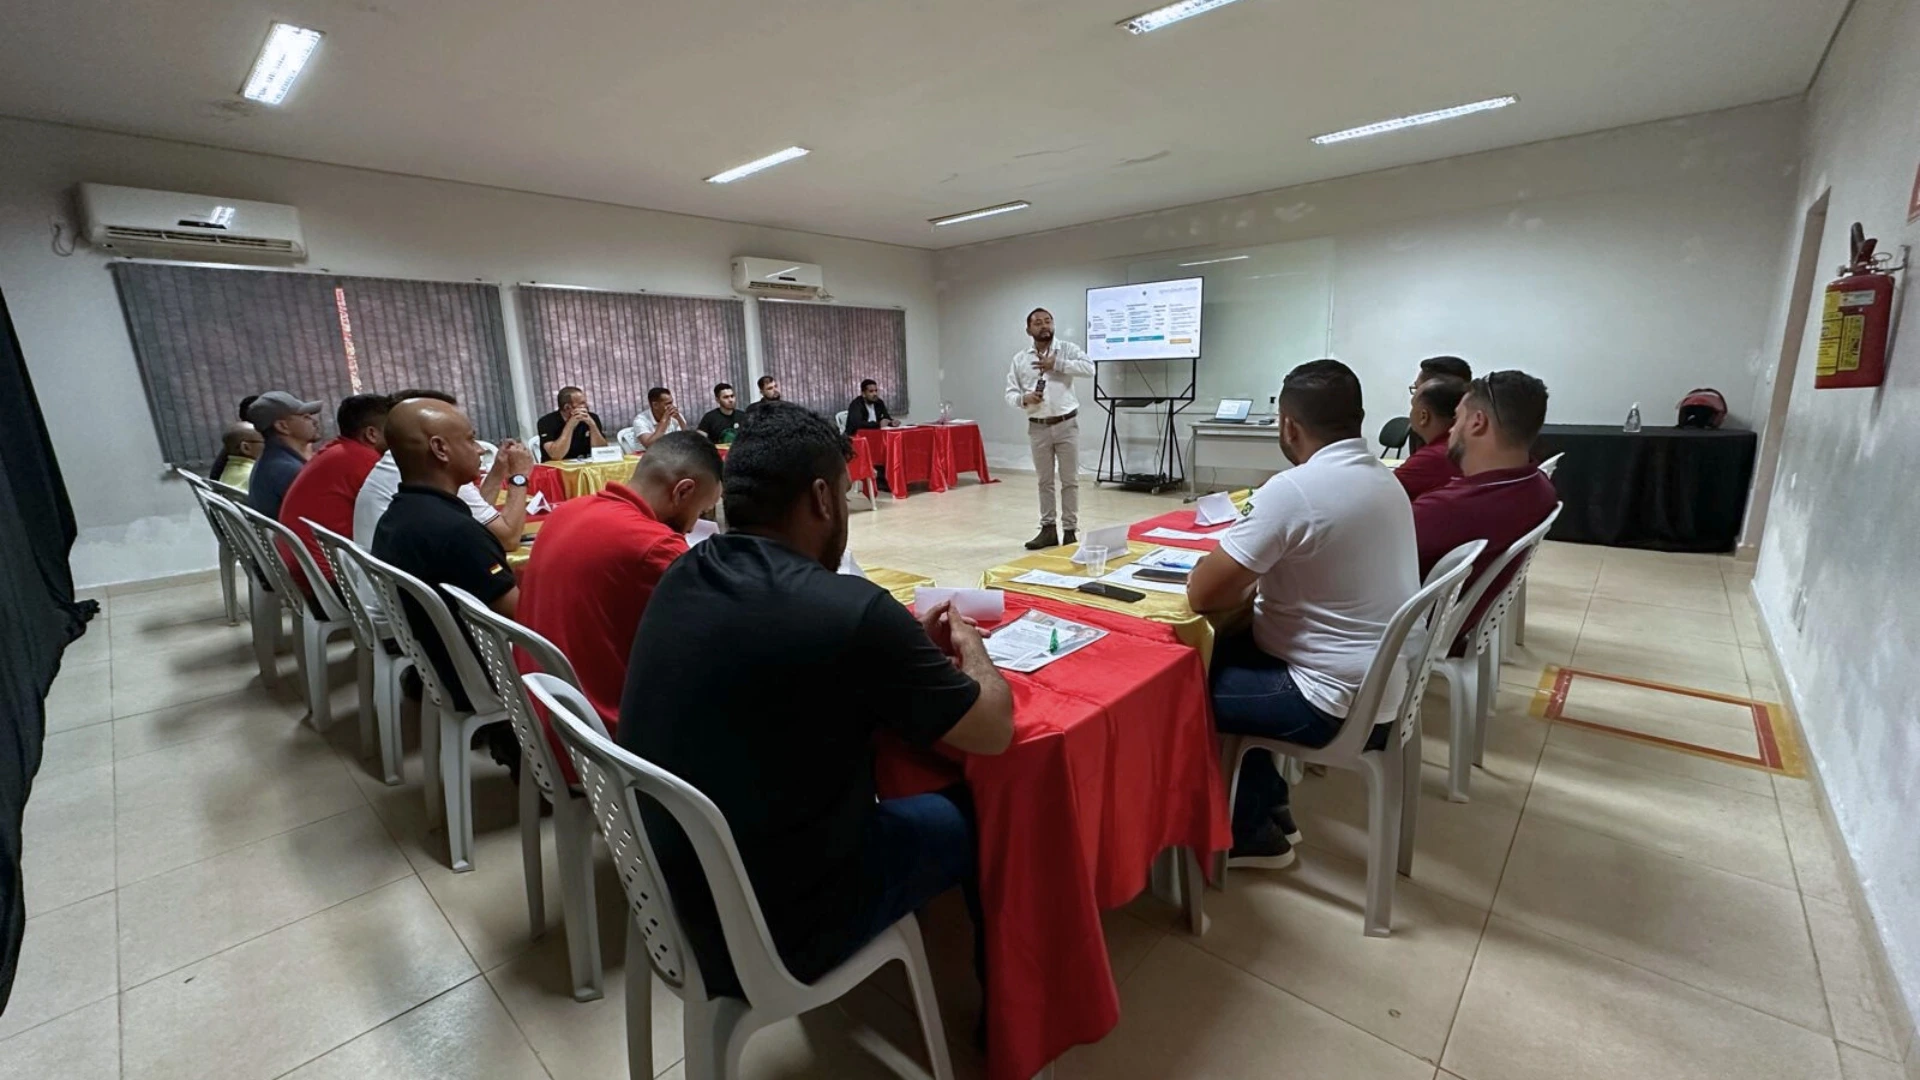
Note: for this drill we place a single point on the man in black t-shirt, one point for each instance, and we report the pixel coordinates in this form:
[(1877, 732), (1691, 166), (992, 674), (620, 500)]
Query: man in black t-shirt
[(722, 424), (868, 410), (787, 755), (429, 532), (572, 430)]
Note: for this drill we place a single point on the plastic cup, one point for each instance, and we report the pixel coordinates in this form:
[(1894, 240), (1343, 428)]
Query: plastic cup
[(1097, 562)]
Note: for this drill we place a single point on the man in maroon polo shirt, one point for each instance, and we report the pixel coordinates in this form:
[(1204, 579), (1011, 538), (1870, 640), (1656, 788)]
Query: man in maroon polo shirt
[(1502, 495), (597, 559), (1430, 416), (325, 488)]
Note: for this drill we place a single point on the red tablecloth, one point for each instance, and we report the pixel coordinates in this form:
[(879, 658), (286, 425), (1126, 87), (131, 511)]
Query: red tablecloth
[(860, 469), (1181, 520), (1113, 761), (930, 454)]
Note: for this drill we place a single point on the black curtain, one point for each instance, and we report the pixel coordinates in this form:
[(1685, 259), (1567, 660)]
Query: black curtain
[(38, 617)]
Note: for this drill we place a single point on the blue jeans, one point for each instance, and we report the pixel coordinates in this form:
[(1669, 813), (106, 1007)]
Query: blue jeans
[(1254, 694), (915, 849)]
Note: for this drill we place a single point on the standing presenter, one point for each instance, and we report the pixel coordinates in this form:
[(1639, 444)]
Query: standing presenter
[(1040, 384)]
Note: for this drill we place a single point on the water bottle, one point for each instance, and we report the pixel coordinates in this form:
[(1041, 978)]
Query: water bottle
[(1633, 419), (946, 412)]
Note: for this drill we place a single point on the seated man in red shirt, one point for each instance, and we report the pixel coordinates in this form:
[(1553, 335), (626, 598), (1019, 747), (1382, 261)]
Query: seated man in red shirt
[(1431, 418), (597, 559), (1502, 495), (325, 489)]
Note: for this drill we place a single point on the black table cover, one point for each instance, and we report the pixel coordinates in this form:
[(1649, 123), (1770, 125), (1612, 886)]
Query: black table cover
[(1668, 489)]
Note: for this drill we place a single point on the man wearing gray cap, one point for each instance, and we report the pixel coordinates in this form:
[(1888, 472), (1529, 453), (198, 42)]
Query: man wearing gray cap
[(290, 428)]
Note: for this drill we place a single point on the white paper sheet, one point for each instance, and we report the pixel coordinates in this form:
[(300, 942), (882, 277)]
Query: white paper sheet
[(1172, 558), (1163, 533), (1035, 640), (1050, 580), (980, 605), (1215, 509), (1113, 538), (701, 530), (1124, 577)]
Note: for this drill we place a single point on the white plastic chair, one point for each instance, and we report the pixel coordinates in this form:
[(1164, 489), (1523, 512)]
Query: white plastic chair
[(494, 638), (445, 732), (1519, 618), (840, 420), (1392, 773), (1473, 678), (488, 452), (629, 439), (717, 1029), (226, 560), (318, 613), (379, 670), (264, 607)]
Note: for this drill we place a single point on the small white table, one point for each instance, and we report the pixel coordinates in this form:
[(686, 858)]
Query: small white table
[(1252, 445)]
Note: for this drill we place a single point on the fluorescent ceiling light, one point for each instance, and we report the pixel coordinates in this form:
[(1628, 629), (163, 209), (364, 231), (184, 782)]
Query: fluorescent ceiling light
[(280, 62), (985, 211), (751, 167), (1168, 15), (1210, 262), (1416, 120)]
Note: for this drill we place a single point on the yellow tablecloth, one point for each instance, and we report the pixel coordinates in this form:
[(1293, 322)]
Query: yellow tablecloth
[(579, 478), (1170, 608), (898, 582)]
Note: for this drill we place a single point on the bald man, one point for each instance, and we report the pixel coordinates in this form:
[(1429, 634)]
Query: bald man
[(429, 532), (242, 444)]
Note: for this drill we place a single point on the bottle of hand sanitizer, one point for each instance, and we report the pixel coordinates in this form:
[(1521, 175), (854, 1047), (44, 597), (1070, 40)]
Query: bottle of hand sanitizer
[(1633, 419)]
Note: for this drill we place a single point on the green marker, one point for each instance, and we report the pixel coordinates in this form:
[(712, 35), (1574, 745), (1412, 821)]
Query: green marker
[(1053, 643)]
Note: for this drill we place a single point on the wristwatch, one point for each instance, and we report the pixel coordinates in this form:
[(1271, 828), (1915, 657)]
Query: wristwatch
[(518, 480)]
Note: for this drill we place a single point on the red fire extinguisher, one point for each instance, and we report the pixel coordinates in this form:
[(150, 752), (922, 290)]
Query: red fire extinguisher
[(1857, 319)]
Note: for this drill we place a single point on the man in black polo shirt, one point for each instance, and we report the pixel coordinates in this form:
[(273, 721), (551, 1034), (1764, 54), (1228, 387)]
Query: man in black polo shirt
[(722, 423), (429, 532), (787, 755), (571, 431)]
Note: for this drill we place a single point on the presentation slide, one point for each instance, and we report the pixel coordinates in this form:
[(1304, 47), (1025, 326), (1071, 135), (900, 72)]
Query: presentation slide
[(1154, 320)]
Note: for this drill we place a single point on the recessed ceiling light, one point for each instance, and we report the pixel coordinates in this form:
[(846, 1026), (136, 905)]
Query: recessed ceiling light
[(752, 167), (1416, 120), (280, 62), (985, 211), (1168, 15), (1210, 262)]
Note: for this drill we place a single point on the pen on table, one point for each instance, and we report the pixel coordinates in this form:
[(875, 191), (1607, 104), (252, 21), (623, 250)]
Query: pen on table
[(1053, 642)]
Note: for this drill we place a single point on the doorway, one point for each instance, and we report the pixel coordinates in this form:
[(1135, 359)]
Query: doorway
[(1792, 343)]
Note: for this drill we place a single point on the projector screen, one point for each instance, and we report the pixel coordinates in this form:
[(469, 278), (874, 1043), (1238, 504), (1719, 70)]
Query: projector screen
[(1152, 320)]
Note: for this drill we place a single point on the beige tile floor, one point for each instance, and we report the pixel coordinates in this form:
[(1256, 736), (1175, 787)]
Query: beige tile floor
[(214, 890)]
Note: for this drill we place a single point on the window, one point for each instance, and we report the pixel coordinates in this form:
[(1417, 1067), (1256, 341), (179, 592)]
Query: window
[(821, 352), (620, 345), (206, 337)]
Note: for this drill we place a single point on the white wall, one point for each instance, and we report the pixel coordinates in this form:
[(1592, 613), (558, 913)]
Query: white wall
[(133, 525), (1629, 265), (1842, 521)]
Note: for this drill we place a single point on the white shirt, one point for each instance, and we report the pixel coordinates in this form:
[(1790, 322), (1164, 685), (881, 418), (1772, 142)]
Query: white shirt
[(873, 413), (1333, 543), (645, 423), (1069, 360)]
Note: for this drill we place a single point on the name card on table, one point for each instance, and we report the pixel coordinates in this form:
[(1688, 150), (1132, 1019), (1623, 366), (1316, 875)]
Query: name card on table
[(1215, 509), (538, 504), (609, 452), (1113, 539), (980, 605)]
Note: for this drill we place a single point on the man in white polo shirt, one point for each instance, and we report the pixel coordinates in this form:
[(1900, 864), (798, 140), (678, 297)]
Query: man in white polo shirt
[(1328, 554)]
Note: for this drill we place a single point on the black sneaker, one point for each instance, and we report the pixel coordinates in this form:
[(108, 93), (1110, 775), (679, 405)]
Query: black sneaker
[(1046, 538), (1283, 817), (1266, 850), (1068, 537)]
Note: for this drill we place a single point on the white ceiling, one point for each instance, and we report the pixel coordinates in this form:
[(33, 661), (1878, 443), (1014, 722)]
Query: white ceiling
[(913, 108)]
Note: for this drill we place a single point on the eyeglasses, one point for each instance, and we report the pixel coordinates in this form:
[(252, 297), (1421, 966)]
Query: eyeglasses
[(1485, 390)]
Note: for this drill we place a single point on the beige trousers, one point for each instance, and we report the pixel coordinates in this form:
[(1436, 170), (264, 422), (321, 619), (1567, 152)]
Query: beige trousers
[(1056, 449)]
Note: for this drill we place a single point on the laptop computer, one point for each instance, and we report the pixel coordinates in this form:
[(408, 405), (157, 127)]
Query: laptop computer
[(1233, 410)]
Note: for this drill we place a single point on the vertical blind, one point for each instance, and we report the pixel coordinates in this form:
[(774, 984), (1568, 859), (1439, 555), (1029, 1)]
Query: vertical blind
[(206, 337), (617, 346), (821, 352)]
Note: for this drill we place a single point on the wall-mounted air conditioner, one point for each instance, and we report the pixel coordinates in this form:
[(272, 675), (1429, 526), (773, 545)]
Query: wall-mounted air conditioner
[(134, 221), (778, 277)]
